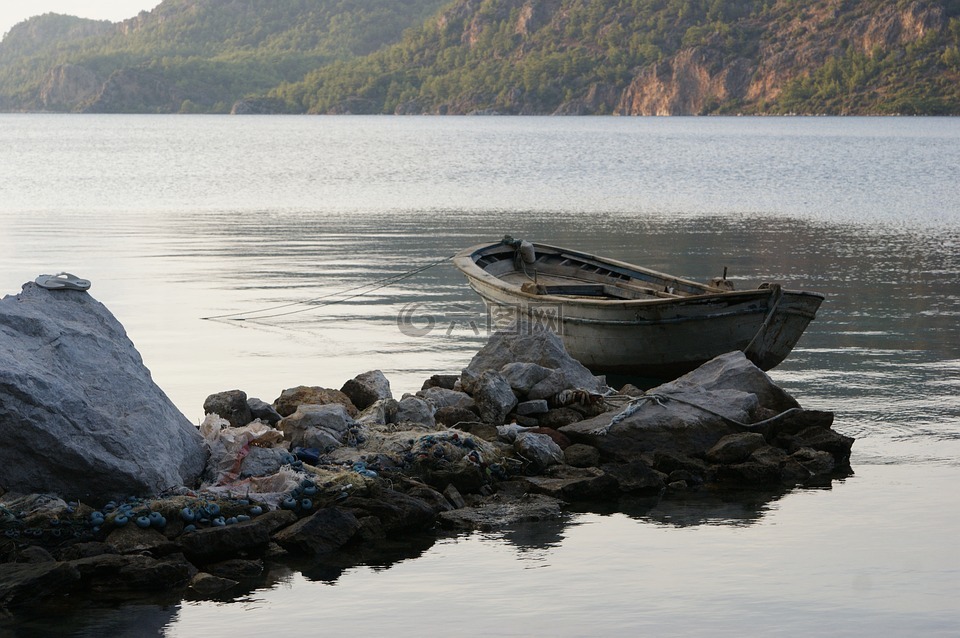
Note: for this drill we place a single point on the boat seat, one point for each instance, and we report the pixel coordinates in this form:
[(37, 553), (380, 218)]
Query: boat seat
[(588, 290)]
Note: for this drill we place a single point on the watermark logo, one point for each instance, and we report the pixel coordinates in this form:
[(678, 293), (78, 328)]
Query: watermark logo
[(417, 319)]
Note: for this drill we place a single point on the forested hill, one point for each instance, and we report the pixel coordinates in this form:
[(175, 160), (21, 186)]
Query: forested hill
[(629, 57), (190, 55)]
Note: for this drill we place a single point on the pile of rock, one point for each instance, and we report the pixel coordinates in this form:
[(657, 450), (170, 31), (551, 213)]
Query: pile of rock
[(123, 494)]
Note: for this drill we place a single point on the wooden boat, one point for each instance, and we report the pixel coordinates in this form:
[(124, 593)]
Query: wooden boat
[(617, 318)]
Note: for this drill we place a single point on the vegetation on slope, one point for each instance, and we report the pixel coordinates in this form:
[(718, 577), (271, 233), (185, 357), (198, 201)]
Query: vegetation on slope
[(508, 56)]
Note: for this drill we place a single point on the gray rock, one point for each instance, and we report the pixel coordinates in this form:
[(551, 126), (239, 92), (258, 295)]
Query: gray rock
[(494, 397), (522, 376), (131, 539), (669, 462), (580, 455), (817, 462), (26, 583), (366, 389), (631, 390), (527, 408), (80, 415), (731, 371), (768, 454), (485, 431), (292, 398), (448, 381), (735, 448), (552, 385), (236, 569), (452, 415), (85, 550), (133, 573), (538, 449), (750, 473), (318, 426), (204, 584), (382, 412), (675, 427), (691, 415), (35, 554), (824, 440), (214, 543), (396, 511), (570, 483), (453, 495), (541, 347), (264, 411), (262, 461), (230, 405), (559, 417), (635, 477), (502, 511), (412, 409), (443, 398), (325, 531)]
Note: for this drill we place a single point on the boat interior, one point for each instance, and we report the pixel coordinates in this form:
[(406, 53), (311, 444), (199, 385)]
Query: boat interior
[(579, 276)]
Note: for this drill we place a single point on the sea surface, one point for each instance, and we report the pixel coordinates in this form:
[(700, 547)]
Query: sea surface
[(261, 253)]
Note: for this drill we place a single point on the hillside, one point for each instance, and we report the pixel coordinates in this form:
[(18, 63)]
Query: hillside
[(190, 55), (628, 57), (648, 57)]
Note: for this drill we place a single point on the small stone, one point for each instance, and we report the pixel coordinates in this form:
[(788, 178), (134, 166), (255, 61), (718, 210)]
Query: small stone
[(263, 411), (442, 397), (494, 397), (451, 415), (523, 376), (366, 389), (735, 448), (413, 409), (236, 569), (581, 455), (447, 381), (292, 398), (559, 417), (230, 405), (527, 408), (453, 495), (204, 584)]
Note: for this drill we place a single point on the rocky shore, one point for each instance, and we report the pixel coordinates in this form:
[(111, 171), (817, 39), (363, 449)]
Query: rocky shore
[(105, 488)]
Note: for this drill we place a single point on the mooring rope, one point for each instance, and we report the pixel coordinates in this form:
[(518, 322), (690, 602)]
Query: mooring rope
[(660, 399), (311, 305)]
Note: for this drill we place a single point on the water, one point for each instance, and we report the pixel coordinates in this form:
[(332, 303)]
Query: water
[(179, 218)]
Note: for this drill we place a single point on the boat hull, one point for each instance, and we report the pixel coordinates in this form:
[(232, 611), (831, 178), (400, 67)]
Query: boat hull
[(654, 338)]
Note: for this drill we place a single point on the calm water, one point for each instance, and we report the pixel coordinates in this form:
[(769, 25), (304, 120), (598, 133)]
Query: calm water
[(302, 226)]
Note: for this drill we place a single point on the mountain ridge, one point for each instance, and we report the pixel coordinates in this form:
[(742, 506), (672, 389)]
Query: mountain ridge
[(564, 57)]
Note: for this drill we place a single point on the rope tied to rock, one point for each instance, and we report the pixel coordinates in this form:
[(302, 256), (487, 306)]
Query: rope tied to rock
[(636, 404)]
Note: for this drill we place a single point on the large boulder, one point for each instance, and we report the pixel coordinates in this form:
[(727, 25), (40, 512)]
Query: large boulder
[(688, 416), (80, 415), (541, 347)]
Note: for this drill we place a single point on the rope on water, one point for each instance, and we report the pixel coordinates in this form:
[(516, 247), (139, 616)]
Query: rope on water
[(311, 305), (660, 399)]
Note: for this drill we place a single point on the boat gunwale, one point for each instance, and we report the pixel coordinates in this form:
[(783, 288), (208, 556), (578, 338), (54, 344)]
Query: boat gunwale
[(466, 262)]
